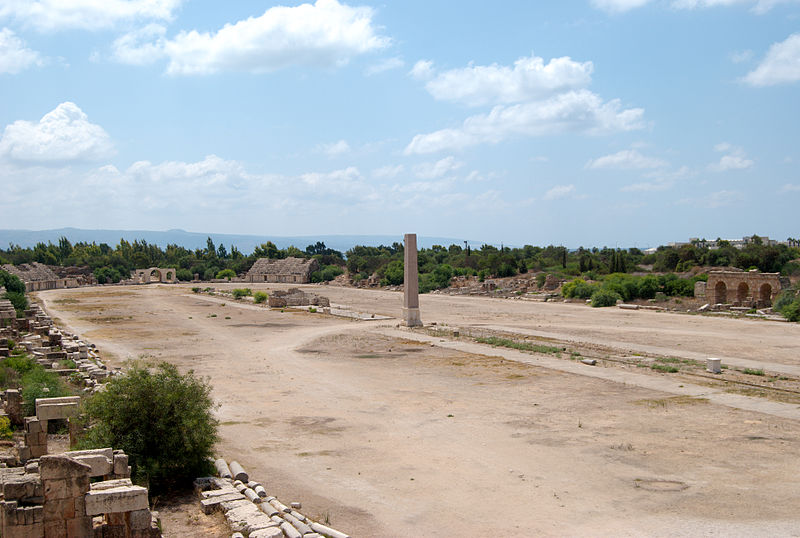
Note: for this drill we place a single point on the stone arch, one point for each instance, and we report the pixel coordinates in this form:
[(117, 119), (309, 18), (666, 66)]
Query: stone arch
[(170, 275), (742, 291), (765, 294), (154, 275), (720, 293)]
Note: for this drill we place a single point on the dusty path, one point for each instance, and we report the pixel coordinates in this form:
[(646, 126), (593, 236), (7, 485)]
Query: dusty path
[(394, 438)]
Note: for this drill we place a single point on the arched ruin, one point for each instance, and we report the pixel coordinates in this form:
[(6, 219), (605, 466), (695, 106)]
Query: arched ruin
[(752, 288), (154, 274)]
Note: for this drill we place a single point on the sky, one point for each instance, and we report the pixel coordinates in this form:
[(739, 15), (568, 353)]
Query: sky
[(583, 122)]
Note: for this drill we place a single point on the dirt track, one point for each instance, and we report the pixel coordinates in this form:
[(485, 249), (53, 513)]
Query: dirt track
[(390, 437)]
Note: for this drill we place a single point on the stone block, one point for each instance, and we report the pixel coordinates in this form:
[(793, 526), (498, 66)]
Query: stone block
[(56, 411), (80, 527), (108, 484), (101, 465), (269, 532), (238, 472), (55, 529), (59, 509), (55, 489), (230, 505), (210, 504), (121, 465), (119, 499), (60, 466)]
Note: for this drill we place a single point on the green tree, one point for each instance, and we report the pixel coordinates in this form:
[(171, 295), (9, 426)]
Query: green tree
[(161, 419)]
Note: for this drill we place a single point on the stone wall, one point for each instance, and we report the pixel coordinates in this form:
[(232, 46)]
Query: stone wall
[(748, 289)]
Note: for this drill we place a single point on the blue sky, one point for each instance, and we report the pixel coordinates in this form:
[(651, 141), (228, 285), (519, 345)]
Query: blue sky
[(597, 122)]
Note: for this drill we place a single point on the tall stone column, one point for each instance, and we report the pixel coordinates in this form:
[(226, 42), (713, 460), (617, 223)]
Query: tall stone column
[(411, 283)]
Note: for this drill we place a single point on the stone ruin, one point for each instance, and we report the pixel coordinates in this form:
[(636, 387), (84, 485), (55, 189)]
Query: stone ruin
[(296, 297), (52, 497), (741, 289), (153, 274), (249, 509)]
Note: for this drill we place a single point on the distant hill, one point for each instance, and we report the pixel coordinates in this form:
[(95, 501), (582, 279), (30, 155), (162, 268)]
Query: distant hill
[(193, 240)]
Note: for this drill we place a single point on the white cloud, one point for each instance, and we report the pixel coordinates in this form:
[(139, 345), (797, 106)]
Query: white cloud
[(14, 56), (324, 34), (626, 160), (741, 56), (141, 46), (388, 172), (386, 65), (618, 6), (422, 70), (781, 65), (576, 111), (736, 159), (558, 192), (437, 169), (336, 149), (790, 187), (49, 15), (529, 79), (65, 134), (714, 200)]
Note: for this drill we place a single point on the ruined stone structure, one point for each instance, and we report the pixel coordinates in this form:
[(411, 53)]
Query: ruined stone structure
[(52, 498), (291, 270), (739, 288), (296, 297), (37, 276), (411, 317), (154, 274)]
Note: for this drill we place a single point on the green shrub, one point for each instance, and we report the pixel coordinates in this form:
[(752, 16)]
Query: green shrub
[(578, 289), (393, 274), (238, 293), (604, 297), (260, 297), (184, 275), (5, 428), (326, 273), (226, 273), (11, 283), (196, 289), (161, 419), (792, 311), (33, 384)]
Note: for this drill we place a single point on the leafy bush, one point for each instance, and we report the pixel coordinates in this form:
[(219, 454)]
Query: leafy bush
[(184, 275), (11, 283), (393, 274), (238, 293), (226, 273), (196, 289), (792, 311), (33, 384), (260, 297), (163, 420), (326, 273), (578, 289), (604, 297), (105, 275), (5, 428)]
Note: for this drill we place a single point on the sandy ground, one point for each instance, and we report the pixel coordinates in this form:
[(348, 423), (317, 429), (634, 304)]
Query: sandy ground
[(384, 435)]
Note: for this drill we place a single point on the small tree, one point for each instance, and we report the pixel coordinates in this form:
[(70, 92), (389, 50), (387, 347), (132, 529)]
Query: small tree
[(226, 273), (163, 420)]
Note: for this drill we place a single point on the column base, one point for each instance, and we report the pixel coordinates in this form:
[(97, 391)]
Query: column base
[(411, 317)]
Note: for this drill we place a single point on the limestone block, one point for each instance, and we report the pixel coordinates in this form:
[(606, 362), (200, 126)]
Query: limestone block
[(32, 425), (238, 472), (140, 519), (269, 532), (212, 503), (297, 514), (230, 505), (119, 499), (19, 487), (248, 518), (213, 493), (121, 464), (108, 484), (79, 527), (57, 410), (55, 529), (101, 466), (260, 490), (60, 466)]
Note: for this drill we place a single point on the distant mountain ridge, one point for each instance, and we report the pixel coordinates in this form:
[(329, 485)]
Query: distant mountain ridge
[(193, 240)]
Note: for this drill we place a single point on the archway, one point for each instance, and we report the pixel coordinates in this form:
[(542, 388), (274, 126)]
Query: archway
[(765, 294), (169, 276), (742, 292), (720, 293), (154, 276)]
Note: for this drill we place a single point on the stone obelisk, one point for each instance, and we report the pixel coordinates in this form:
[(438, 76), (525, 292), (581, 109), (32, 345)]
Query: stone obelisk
[(411, 283)]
